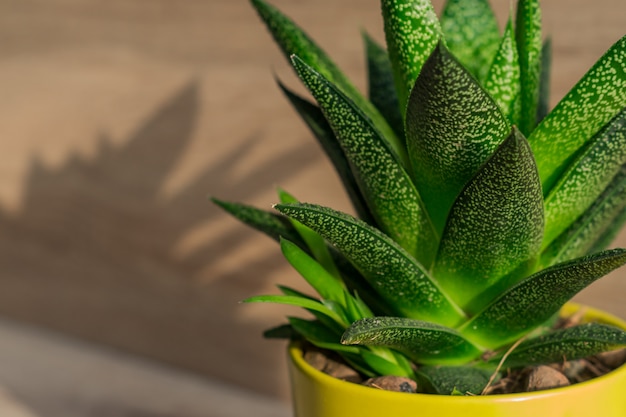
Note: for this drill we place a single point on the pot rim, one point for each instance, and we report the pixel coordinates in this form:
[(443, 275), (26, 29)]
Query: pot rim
[(590, 314)]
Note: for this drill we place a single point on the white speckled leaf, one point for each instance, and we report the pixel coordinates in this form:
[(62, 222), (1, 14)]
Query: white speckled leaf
[(572, 343), (389, 269), (425, 343), (503, 79), (385, 185), (453, 126), (586, 177), (592, 231), (294, 41), (533, 301), (495, 226), (412, 30), (529, 44), (471, 31), (590, 105)]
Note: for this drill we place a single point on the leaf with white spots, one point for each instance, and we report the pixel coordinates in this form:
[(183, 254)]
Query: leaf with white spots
[(495, 227), (452, 127), (586, 109), (537, 298), (573, 343), (412, 31), (502, 81), (529, 44), (448, 380), (395, 275), (470, 29), (586, 177), (424, 342), (594, 229), (544, 81), (294, 41), (385, 185)]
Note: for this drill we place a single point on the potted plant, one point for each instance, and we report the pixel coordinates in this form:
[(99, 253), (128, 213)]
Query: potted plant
[(479, 215)]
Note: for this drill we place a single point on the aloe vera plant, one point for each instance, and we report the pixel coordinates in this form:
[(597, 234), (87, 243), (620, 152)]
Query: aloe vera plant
[(479, 214)]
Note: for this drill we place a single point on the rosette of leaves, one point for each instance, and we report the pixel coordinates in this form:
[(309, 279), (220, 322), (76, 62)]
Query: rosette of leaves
[(479, 213)]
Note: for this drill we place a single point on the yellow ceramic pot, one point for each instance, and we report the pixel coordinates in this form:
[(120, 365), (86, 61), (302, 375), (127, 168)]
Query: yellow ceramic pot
[(316, 394)]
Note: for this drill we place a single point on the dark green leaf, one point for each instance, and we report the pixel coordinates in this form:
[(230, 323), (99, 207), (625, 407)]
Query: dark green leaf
[(566, 344), (315, 331), (423, 342), (586, 177), (390, 270), (544, 81), (588, 107), (529, 44), (267, 222), (594, 228), (445, 380), (293, 41), (502, 81), (381, 87), (384, 183), (315, 120), (494, 228), (611, 232), (471, 32), (284, 331), (453, 126), (412, 30), (531, 302)]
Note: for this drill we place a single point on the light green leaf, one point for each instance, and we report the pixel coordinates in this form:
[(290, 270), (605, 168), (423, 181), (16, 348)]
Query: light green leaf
[(471, 32), (384, 366), (423, 342), (445, 380), (589, 106), (586, 177), (536, 299), (494, 228), (412, 30), (381, 87), (298, 301), (572, 343), (402, 282), (384, 183), (314, 118), (529, 44), (596, 224), (294, 41), (502, 81), (453, 126)]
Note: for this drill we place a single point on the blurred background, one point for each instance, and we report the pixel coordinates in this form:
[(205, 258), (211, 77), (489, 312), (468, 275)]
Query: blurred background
[(119, 282)]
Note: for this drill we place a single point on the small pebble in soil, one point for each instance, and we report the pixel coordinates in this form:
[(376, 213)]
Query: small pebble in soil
[(332, 367), (613, 359), (392, 383), (545, 377)]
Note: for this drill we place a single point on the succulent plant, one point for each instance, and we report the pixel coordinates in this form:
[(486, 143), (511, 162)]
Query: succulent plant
[(479, 214)]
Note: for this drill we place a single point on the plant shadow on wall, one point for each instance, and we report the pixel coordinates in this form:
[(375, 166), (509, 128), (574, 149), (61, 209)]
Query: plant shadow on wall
[(91, 252)]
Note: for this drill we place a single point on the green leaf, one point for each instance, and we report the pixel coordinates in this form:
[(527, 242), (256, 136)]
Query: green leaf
[(384, 183), (586, 177), (445, 380), (544, 81), (326, 284), (610, 233), (471, 31), (315, 331), (589, 106), (534, 300), (314, 241), (412, 30), (402, 282), (453, 126), (566, 344), (383, 366), (423, 342), (529, 44), (294, 41), (494, 228), (314, 118), (502, 81), (593, 229), (298, 301), (381, 87), (267, 222)]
